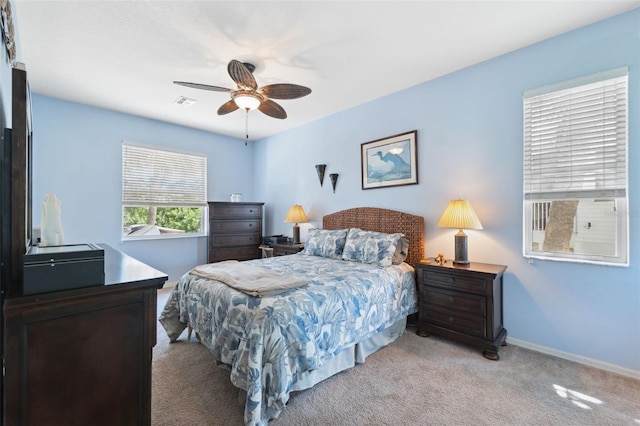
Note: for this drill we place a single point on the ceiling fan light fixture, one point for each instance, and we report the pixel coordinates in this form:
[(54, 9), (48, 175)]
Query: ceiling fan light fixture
[(246, 100)]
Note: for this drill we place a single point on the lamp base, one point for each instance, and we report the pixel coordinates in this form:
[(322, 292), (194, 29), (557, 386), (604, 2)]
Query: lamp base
[(461, 250), (296, 234)]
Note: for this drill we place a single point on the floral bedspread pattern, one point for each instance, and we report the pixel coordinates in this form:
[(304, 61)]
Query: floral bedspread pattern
[(269, 341)]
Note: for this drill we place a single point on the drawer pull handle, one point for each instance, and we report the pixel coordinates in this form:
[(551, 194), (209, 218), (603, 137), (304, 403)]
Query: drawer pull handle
[(250, 211), (451, 299), (451, 319)]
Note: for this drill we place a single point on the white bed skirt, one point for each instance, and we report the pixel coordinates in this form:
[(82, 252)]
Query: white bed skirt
[(347, 359), (351, 356)]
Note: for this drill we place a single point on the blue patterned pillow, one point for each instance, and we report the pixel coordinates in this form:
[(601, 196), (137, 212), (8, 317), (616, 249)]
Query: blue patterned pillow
[(370, 247), (325, 243)]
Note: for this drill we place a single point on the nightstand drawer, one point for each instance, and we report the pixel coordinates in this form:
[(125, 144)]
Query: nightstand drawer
[(469, 325), (454, 281), (454, 300), (285, 249)]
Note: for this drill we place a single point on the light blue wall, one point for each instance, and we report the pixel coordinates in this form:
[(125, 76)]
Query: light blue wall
[(77, 156), (470, 146)]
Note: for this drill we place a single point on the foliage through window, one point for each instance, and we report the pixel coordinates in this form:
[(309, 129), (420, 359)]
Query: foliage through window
[(575, 170), (164, 192)]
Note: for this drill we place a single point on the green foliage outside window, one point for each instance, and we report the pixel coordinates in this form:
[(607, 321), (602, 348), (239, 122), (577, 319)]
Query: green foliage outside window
[(187, 219)]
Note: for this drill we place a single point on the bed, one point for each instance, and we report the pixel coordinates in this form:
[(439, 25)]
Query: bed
[(344, 311)]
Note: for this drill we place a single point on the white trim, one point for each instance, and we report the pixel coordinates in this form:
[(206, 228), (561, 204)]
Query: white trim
[(164, 148), (580, 81), (627, 372), (166, 236)]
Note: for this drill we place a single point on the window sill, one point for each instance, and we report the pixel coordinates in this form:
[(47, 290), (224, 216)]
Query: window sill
[(162, 237)]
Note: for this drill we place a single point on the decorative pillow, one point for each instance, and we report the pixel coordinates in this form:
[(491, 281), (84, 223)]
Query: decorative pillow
[(402, 250), (370, 247), (325, 243)]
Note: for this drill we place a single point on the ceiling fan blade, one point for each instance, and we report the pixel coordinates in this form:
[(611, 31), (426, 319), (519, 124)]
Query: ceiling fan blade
[(241, 75), (285, 91), (227, 107), (272, 109), (202, 86)]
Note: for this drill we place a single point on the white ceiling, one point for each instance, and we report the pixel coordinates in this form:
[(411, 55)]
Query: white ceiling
[(124, 55)]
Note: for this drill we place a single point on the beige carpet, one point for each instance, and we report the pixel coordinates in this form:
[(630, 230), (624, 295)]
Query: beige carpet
[(414, 381)]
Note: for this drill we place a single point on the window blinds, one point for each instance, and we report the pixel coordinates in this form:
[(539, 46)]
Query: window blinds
[(156, 177), (575, 138)]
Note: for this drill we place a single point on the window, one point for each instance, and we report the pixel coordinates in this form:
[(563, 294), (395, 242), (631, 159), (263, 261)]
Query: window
[(575, 170), (164, 192)]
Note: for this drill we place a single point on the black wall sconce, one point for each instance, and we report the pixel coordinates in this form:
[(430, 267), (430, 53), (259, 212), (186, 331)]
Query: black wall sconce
[(320, 169), (334, 181)]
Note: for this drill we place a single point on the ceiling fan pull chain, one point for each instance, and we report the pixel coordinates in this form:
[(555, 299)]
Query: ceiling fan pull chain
[(246, 126)]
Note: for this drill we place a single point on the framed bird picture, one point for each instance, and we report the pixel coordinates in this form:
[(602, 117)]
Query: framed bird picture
[(391, 161)]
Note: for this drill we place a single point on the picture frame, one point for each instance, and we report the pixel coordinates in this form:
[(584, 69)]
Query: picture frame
[(391, 161)]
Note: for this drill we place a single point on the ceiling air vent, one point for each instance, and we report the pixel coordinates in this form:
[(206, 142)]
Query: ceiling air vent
[(183, 100)]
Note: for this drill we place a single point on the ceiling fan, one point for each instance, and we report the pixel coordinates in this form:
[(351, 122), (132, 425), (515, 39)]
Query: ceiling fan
[(248, 95)]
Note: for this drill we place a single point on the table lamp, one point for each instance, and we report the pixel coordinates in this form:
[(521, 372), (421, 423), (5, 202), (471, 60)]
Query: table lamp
[(460, 215), (296, 215)]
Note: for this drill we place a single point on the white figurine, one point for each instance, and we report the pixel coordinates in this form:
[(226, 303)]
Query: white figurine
[(51, 223)]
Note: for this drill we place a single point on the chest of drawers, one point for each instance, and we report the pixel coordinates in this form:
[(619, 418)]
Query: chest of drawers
[(235, 231), (462, 303)]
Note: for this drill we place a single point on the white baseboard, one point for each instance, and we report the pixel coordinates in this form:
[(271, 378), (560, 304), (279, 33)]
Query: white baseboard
[(634, 374)]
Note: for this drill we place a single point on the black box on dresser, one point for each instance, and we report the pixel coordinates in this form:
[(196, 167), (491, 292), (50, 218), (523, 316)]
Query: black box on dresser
[(56, 268)]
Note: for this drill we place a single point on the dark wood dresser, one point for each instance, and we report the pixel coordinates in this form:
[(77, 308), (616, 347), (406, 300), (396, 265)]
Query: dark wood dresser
[(462, 303), (235, 230), (83, 356)]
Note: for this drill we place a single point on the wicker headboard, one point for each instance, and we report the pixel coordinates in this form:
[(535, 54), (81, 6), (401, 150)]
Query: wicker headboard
[(382, 220)]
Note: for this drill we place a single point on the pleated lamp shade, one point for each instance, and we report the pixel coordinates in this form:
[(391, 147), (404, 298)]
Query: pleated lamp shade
[(296, 215), (460, 215)]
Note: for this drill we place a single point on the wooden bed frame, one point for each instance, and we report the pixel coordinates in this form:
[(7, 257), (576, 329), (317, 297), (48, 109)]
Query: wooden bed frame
[(382, 220)]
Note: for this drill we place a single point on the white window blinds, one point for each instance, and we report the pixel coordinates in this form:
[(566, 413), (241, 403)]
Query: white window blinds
[(158, 177), (575, 138)]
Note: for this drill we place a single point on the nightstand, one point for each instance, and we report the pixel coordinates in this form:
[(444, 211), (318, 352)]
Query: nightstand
[(462, 303), (282, 249)]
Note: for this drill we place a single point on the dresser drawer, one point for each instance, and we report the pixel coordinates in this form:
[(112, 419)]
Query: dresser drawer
[(454, 281), (235, 226), (224, 240), (454, 300), (233, 253), (235, 210), (467, 324)]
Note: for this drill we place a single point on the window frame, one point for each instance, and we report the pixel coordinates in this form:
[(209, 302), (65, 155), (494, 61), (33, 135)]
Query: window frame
[(194, 200), (614, 189)]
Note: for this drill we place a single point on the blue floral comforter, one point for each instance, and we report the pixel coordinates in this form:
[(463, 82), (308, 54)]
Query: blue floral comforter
[(269, 341)]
